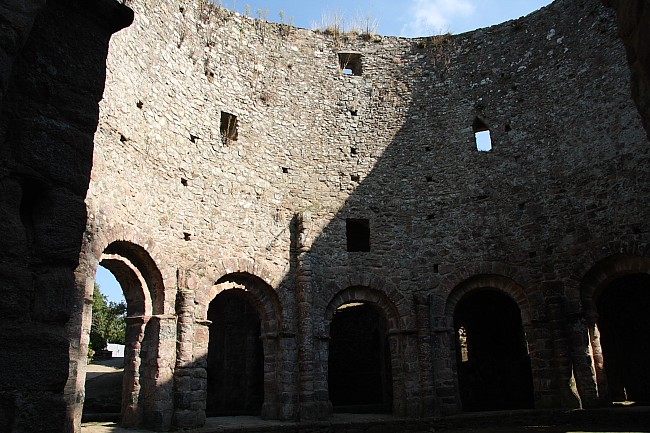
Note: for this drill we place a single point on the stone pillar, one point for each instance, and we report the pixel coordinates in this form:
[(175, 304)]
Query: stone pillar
[(313, 397), (157, 378), (426, 385), (443, 349), (131, 410), (189, 393), (583, 362), (271, 405), (199, 372), (567, 393)]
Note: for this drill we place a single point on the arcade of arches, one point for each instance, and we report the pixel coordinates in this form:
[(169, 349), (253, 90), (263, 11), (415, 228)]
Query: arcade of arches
[(243, 359)]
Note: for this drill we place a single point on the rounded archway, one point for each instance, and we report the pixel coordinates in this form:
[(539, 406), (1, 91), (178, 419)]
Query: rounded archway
[(359, 364), (615, 296), (243, 340), (235, 361), (143, 289), (493, 365), (623, 307)]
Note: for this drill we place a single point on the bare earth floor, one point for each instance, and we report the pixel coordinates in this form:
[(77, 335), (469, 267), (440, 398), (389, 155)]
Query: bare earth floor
[(630, 419)]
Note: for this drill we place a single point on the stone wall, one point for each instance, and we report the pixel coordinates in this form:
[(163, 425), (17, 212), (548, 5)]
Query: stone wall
[(633, 24), (562, 187)]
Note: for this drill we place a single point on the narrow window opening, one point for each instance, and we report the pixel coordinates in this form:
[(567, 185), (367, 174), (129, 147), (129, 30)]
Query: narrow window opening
[(532, 254), (357, 232), (435, 269), (187, 236), (353, 150), (228, 126), (354, 113), (350, 63), (431, 217), (355, 177), (285, 170), (193, 138), (482, 136), (139, 104), (123, 139), (427, 149), (508, 128), (429, 178), (183, 181)]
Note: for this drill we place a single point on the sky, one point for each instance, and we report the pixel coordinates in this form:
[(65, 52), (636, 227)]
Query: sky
[(409, 18)]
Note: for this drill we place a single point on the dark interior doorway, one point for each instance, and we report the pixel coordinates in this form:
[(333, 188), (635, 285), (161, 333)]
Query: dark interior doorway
[(623, 321), (359, 367), (492, 357), (235, 357)]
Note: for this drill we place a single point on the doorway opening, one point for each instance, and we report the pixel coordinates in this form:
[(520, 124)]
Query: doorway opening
[(494, 371), (235, 357), (359, 367), (623, 310)]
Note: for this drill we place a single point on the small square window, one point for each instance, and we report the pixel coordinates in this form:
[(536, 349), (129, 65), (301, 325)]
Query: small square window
[(350, 63), (357, 232), (228, 126)]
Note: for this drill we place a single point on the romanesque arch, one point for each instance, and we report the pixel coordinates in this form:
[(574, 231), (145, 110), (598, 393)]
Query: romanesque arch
[(143, 288), (372, 303), (485, 336), (241, 306), (615, 296)]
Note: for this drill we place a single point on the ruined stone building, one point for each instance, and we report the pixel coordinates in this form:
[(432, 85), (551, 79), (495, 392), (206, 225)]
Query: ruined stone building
[(302, 222)]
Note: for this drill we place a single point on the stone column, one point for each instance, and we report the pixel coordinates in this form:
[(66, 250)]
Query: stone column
[(189, 394), (583, 362), (443, 349), (426, 385), (131, 410)]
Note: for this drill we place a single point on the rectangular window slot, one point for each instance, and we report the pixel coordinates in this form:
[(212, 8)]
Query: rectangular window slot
[(357, 232), (350, 63), (285, 170), (482, 136), (228, 126), (429, 178)]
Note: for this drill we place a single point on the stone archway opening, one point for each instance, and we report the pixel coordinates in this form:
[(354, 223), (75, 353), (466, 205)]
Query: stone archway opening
[(105, 371), (494, 370), (623, 308), (359, 365), (235, 363), (143, 289)]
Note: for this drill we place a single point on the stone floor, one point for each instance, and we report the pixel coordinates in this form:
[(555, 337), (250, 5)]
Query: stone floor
[(629, 419)]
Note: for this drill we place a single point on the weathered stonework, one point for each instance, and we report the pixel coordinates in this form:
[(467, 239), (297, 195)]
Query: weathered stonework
[(181, 209)]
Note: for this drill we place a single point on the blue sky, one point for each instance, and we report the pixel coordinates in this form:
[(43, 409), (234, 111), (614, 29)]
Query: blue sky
[(395, 18), (408, 18)]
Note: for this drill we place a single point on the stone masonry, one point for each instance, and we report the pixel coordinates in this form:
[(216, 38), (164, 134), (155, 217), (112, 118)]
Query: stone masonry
[(232, 154)]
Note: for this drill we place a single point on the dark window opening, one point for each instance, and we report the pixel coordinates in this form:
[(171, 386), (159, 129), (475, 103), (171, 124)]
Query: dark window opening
[(482, 137), (435, 268), (183, 181), (355, 178), (494, 371), (429, 178), (359, 364), (623, 309), (139, 104), (235, 364), (353, 150), (354, 113), (187, 236), (228, 126), (357, 232), (285, 170), (350, 63), (123, 139), (193, 138)]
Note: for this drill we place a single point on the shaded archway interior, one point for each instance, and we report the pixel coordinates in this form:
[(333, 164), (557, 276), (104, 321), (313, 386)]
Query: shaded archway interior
[(494, 371), (359, 366), (235, 364), (623, 310)]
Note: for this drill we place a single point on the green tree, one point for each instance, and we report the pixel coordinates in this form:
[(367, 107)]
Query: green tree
[(108, 324)]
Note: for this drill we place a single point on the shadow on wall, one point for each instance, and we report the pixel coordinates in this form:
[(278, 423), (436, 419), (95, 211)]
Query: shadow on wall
[(53, 72)]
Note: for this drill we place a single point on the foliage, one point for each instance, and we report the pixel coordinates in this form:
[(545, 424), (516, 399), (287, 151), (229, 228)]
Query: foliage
[(108, 324)]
